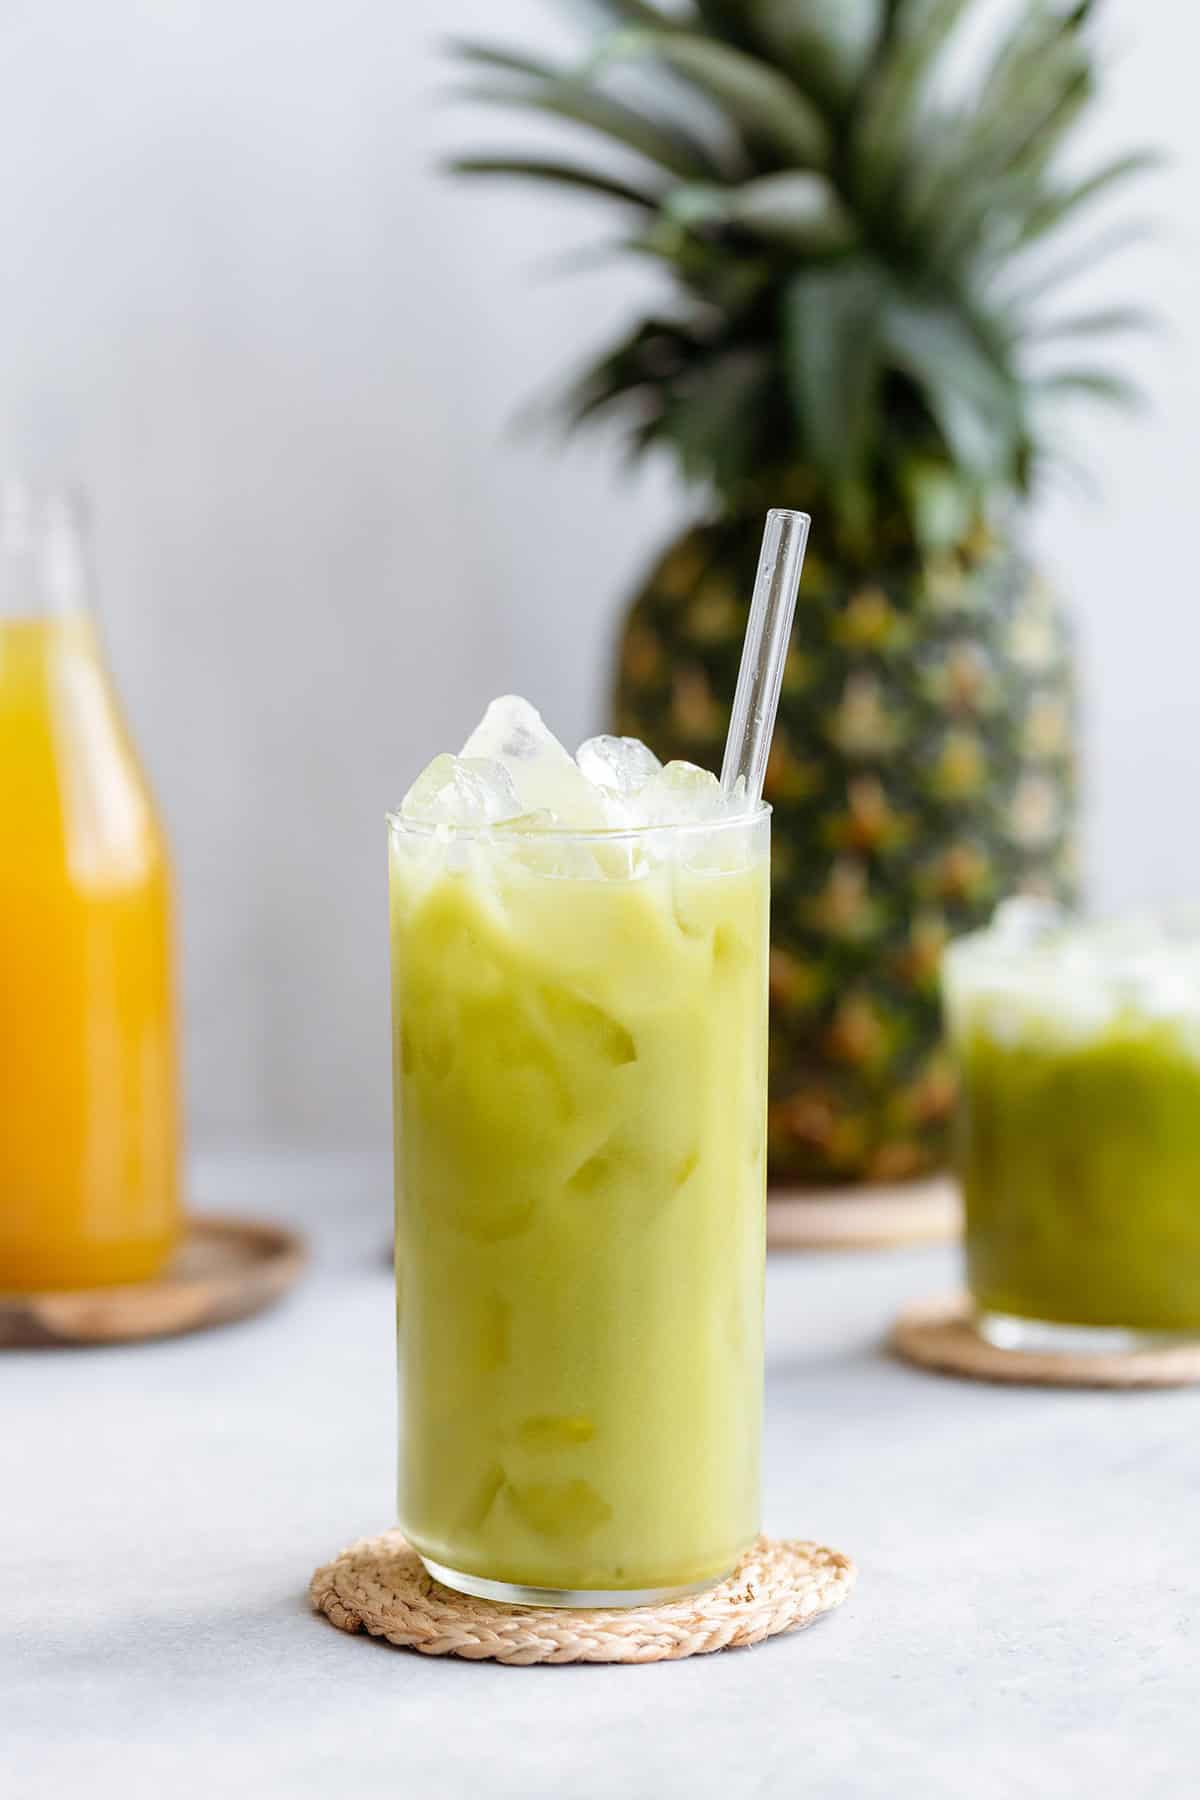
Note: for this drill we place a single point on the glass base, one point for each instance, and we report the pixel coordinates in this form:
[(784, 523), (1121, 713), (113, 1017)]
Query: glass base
[(1009, 1331), (513, 1593)]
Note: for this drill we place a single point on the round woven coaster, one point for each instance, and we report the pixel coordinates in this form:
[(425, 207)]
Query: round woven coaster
[(380, 1585), (941, 1334), (224, 1269), (876, 1216)]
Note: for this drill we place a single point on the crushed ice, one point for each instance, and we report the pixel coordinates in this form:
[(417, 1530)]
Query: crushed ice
[(1036, 969), (513, 771)]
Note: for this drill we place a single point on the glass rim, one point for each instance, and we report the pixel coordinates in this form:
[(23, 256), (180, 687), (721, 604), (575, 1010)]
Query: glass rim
[(1108, 937), (561, 834)]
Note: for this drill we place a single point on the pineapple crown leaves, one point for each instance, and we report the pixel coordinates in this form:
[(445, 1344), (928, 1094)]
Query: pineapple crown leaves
[(860, 247)]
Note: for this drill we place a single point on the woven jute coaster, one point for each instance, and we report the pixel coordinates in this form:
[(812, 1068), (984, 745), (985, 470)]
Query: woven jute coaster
[(380, 1585), (875, 1216), (941, 1334)]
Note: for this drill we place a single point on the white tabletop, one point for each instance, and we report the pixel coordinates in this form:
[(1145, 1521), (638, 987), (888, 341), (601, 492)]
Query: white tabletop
[(1023, 1624)]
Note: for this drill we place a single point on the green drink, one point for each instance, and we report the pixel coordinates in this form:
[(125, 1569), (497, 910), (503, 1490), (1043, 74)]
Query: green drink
[(1080, 1141), (580, 1068)]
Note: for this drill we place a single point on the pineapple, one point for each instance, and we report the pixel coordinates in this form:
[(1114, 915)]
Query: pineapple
[(863, 324)]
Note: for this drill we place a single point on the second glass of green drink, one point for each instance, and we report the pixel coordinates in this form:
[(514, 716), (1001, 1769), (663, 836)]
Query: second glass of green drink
[(580, 1066)]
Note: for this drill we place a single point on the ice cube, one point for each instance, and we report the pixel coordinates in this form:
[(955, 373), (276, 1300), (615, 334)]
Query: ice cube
[(462, 790), (512, 733), (623, 765), (680, 794)]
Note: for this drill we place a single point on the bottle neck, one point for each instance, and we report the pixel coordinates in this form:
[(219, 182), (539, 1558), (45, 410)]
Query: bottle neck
[(44, 570)]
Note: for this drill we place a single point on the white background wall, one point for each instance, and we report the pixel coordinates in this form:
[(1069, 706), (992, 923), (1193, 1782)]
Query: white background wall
[(283, 355)]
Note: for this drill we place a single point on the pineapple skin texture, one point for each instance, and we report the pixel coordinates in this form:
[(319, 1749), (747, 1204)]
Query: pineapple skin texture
[(923, 769)]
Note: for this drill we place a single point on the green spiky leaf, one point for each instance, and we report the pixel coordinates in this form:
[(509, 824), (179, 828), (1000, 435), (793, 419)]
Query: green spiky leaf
[(916, 36), (1083, 260), (498, 59), (546, 89), (1094, 384), (825, 45), (727, 20), (765, 105), (632, 12), (1101, 321), (711, 421), (973, 403), (832, 321), (1056, 206), (795, 212), (540, 168)]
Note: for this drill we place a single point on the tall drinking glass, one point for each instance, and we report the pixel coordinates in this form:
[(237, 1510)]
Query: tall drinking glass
[(580, 1052), (1079, 1135)]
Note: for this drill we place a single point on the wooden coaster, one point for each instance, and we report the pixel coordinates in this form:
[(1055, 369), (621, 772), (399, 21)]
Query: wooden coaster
[(941, 1334), (223, 1270), (380, 1586), (874, 1217)]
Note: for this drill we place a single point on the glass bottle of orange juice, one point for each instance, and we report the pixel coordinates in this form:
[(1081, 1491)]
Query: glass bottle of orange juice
[(89, 1125)]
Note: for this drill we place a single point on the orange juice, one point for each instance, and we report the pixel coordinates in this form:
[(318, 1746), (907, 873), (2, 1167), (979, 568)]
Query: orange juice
[(88, 1087)]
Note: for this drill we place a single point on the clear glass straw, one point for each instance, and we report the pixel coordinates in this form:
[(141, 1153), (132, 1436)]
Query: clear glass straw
[(768, 633)]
